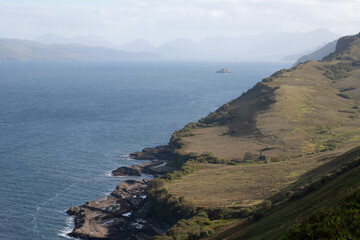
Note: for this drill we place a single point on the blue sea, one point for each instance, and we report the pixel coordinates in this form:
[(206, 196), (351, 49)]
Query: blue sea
[(65, 125)]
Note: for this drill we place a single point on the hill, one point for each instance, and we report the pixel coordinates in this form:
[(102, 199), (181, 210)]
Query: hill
[(318, 54), (294, 112), (87, 40), (268, 159), (284, 43), (23, 50), (263, 46)]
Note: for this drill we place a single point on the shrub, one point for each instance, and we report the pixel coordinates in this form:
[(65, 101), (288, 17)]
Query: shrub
[(276, 75), (347, 89), (250, 156), (157, 183), (196, 227), (338, 71), (327, 146), (344, 95), (219, 117)]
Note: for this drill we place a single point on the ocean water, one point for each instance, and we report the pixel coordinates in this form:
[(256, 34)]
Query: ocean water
[(65, 125)]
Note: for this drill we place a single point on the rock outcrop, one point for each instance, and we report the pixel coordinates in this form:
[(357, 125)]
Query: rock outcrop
[(118, 216), (123, 214), (159, 152), (127, 171), (154, 168), (223, 70)]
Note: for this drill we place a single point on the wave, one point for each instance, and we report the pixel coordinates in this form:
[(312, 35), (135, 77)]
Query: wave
[(68, 229), (108, 174)]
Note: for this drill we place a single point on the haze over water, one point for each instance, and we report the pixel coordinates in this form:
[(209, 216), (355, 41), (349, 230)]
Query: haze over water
[(65, 125)]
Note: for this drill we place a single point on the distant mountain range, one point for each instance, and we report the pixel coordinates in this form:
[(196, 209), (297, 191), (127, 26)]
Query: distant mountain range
[(259, 47), (139, 45), (265, 46), (24, 50), (87, 40)]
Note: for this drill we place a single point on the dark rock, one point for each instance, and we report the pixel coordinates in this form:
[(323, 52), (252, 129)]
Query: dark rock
[(124, 214), (153, 168), (119, 216), (73, 210), (127, 171), (159, 152)]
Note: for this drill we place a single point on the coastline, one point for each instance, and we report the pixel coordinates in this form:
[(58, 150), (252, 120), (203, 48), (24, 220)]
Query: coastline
[(123, 213)]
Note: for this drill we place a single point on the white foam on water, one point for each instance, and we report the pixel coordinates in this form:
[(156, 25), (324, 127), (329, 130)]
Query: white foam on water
[(44, 204), (68, 229), (109, 174)]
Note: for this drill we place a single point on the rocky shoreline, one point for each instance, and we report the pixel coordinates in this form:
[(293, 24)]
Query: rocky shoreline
[(123, 214), (156, 168), (159, 153)]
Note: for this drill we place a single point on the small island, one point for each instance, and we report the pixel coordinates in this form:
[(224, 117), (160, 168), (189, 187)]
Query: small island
[(223, 70)]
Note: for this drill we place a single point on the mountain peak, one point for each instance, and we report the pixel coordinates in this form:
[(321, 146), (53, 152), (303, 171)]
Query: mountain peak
[(138, 45), (346, 43), (50, 38)]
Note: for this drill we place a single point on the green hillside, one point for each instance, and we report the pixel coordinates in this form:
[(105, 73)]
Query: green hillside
[(306, 109), (324, 195), (268, 159)]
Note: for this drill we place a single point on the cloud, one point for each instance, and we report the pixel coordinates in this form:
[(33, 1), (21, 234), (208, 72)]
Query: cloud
[(161, 20)]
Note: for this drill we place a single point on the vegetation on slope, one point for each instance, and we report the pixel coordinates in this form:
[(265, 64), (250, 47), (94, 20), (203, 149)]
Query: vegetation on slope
[(340, 222), (270, 157), (275, 222), (303, 110)]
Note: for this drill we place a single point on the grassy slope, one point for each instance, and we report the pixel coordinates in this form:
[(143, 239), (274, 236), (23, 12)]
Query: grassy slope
[(277, 220), (249, 184), (298, 115), (307, 114), (296, 111)]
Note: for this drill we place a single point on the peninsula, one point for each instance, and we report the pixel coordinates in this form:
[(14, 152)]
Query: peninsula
[(256, 168)]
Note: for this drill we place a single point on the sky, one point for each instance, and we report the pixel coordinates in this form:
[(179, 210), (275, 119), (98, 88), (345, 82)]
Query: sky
[(158, 21)]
